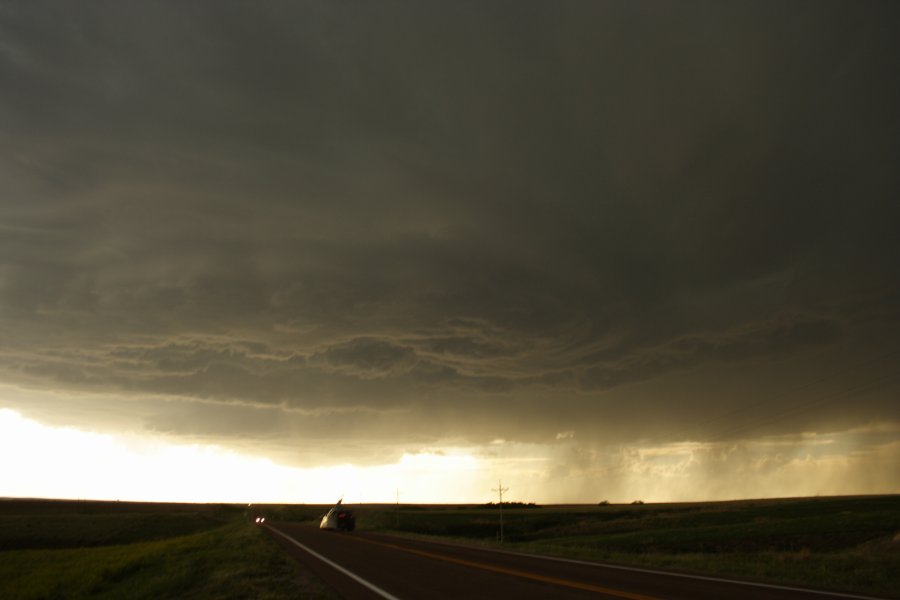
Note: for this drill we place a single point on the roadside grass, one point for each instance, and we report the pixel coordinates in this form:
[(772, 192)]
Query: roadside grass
[(857, 571), (83, 549), (838, 543), (236, 560)]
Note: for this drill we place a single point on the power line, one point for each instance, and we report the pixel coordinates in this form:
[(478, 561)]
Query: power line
[(500, 489)]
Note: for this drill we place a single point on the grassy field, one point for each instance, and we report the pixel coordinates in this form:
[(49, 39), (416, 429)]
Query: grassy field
[(124, 550), (115, 550), (850, 544)]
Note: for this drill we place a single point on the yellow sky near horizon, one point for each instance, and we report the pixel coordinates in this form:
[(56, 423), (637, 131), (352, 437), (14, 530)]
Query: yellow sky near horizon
[(53, 462)]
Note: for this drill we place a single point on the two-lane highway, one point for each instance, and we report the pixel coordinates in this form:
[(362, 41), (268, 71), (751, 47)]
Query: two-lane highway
[(363, 565)]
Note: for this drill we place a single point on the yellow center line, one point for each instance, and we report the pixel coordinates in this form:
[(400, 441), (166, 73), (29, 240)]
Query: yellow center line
[(515, 572)]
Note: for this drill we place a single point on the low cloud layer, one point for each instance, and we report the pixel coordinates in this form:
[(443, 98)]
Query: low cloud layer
[(342, 232)]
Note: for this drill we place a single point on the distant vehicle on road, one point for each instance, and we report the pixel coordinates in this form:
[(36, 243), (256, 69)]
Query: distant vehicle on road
[(338, 519)]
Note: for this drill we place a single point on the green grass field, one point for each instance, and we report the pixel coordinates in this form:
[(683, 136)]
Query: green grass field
[(125, 550)]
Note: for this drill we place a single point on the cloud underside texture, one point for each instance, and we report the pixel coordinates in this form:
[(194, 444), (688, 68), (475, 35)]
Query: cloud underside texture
[(399, 223)]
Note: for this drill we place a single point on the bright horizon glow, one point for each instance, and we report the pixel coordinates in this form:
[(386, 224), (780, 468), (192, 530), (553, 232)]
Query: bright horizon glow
[(66, 463)]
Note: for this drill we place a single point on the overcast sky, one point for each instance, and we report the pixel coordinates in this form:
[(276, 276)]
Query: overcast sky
[(589, 234)]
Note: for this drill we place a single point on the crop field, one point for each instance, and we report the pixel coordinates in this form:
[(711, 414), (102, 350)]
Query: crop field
[(62, 549), (839, 543)]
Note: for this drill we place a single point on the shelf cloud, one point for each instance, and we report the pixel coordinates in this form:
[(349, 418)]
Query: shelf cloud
[(350, 230)]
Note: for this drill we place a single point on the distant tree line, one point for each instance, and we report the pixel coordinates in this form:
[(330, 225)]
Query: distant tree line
[(511, 505)]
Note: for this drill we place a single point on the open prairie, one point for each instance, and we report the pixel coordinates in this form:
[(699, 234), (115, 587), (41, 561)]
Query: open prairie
[(75, 549), (140, 550)]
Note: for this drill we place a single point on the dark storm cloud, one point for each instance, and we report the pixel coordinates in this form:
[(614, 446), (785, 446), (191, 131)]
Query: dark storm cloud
[(763, 340), (443, 210)]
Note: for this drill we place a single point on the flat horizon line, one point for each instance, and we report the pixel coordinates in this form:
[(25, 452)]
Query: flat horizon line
[(448, 504)]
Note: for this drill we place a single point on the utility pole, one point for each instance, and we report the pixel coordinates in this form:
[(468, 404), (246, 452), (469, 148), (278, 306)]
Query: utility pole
[(398, 508), (500, 489)]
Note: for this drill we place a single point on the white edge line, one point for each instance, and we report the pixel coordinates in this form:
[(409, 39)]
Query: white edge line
[(690, 576), (334, 565), (669, 573)]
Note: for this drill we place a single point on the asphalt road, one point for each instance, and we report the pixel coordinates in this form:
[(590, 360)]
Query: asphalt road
[(362, 565)]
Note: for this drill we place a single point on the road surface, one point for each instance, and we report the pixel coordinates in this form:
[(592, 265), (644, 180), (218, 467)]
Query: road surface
[(363, 566)]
